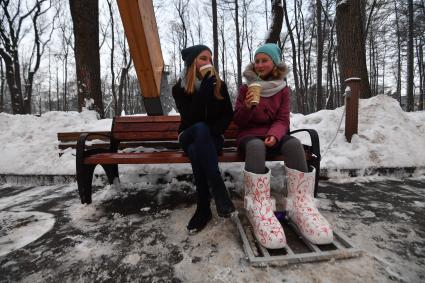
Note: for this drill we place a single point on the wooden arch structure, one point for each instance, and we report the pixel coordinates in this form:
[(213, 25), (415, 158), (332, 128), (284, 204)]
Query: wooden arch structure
[(141, 30)]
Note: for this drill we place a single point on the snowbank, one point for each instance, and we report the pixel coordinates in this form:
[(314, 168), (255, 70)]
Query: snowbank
[(388, 137)]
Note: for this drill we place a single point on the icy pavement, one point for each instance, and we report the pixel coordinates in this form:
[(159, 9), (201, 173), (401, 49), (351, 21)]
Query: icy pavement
[(137, 233)]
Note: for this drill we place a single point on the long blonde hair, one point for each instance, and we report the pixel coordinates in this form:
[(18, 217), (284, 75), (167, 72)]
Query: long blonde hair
[(191, 78)]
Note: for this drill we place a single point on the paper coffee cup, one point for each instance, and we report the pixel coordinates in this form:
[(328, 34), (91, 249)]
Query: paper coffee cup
[(205, 69), (255, 89)]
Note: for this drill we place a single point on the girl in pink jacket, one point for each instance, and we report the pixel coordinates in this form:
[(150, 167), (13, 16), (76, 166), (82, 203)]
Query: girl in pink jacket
[(263, 129)]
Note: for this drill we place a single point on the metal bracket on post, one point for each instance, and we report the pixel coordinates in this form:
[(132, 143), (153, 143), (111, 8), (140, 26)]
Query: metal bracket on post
[(352, 94)]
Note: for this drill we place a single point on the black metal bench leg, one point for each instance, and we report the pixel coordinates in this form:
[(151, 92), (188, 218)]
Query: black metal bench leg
[(84, 182), (111, 171), (316, 165)]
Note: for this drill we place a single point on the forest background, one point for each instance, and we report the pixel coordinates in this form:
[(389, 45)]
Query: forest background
[(38, 50)]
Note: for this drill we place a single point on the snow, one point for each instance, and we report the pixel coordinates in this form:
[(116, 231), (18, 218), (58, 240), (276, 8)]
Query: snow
[(18, 229), (387, 137)]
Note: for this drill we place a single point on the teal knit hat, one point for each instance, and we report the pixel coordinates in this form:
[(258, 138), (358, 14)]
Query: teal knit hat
[(271, 49)]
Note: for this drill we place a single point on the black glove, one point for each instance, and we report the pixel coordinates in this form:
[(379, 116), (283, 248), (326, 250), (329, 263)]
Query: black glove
[(208, 85)]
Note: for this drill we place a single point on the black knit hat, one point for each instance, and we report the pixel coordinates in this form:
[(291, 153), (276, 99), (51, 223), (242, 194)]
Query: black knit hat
[(189, 54)]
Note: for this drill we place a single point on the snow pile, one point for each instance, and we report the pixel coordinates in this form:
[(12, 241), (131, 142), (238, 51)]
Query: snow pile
[(17, 229), (388, 137)]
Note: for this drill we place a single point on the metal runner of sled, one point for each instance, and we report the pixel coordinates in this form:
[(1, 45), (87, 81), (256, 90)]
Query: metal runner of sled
[(298, 250)]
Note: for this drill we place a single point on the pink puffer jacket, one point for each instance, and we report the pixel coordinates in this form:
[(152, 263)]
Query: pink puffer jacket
[(269, 118)]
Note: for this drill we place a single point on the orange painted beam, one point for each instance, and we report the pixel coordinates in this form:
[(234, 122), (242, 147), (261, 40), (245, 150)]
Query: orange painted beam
[(140, 28)]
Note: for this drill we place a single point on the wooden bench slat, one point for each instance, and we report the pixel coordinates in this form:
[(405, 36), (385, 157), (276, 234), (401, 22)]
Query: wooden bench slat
[(145, 127), (145, 136), (153, 127), (144, 119), (73, 136), (160, 158), (124, 145), (154, 136)]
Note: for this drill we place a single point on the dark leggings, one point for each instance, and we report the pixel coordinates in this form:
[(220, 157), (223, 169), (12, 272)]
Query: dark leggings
[(202, 147), (255, 152)]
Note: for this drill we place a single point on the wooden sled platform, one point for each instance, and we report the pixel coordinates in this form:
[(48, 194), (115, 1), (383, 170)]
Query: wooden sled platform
[(298, 250)]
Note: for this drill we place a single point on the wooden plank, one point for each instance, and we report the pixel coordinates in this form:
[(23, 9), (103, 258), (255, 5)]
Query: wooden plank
[(145, 127), (163, 157), (74, 136), (140, 27), (155, 126), (124, 145), (145, 136), (143, 119)]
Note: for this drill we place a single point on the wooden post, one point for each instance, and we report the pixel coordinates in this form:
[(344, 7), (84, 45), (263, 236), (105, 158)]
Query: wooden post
[(352, 94), (140, 28)]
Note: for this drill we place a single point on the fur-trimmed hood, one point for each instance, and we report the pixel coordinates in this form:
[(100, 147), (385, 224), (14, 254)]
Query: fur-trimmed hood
[(250, 75)]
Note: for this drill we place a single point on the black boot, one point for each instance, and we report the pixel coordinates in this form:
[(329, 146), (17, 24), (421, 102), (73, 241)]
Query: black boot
[(200, 219), (222, 199)]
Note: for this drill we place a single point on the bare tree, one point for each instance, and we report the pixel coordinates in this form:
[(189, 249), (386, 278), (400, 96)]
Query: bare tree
[(277, 21), (398, 35), (319, 92), (64, 53), (351, 44), (215, 33), (112, 50), (14, 19), (238, 44), (420, 57), (182, 7), (1, 86), (294, 59), (124, 77), (85, 19), (410, 57)]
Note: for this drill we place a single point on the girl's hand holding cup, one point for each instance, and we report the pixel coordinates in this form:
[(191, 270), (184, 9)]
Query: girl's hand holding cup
[(253, 95), (248, 99)]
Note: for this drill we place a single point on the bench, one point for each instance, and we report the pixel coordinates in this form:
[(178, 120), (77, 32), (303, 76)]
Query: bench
[(159, 134)]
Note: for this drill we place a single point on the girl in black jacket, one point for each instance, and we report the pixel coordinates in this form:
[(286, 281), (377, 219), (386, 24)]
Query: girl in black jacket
[(206, 111)]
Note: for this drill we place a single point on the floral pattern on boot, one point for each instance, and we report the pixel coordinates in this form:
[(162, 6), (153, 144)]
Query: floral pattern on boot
[(258, 205), (302, 208)]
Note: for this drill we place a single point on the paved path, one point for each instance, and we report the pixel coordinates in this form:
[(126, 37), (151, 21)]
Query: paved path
[(138, 235)]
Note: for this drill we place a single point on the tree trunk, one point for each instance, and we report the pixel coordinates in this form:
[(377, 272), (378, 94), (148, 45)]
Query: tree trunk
[(15, 94), (319, 91), (1, 87), (420, 57), (294, 59), (50, 85), (85, 19), (57, 89), (238, 46), (410, 56), (215, 34), (277, 21), (351, 44), (398, 88), (114, 93), (65, 84), (223, 51)]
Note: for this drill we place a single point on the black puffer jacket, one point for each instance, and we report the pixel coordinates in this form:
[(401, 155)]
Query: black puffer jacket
[(203, 106)]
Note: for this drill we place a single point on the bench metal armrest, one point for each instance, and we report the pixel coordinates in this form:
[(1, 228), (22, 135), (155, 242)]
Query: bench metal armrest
[(315, 143), (81, 146)]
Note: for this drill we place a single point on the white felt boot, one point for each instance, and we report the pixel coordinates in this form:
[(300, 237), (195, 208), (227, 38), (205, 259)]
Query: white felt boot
[(301, 207), (258, 205)]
